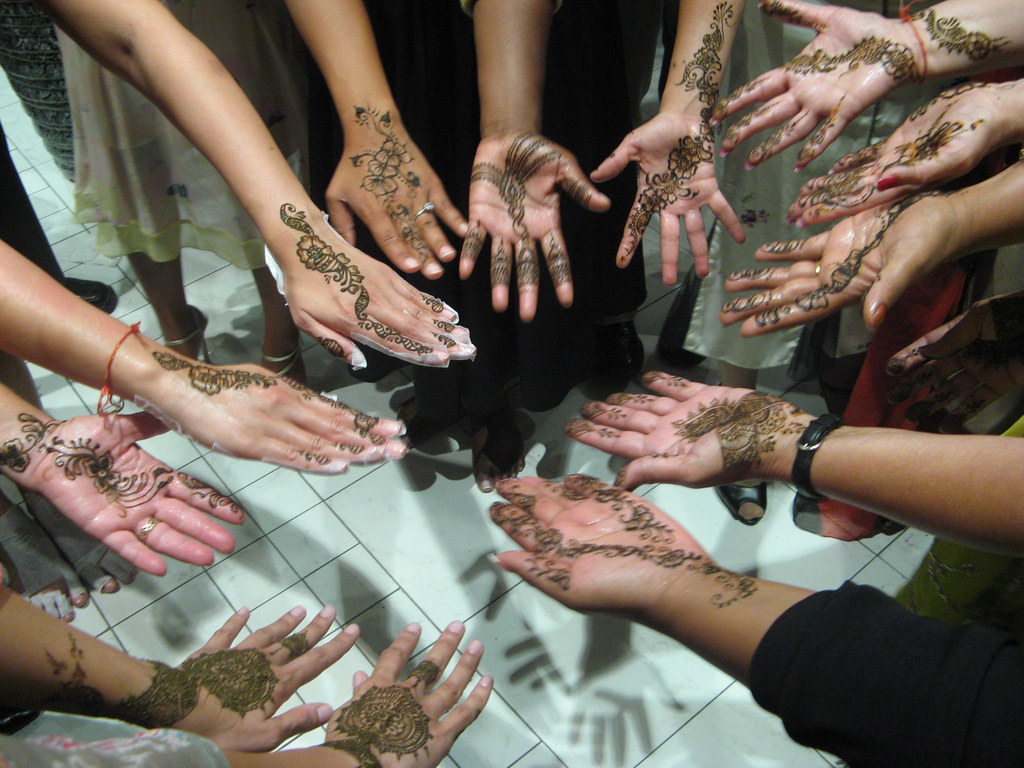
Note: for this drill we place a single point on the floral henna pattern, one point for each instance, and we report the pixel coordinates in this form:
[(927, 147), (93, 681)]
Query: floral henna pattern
[(15, 453), (213, 381), (896, 59), (660, 190), (950, 35), (386, 175), (319, 256), (845, 189), (701, 71), (747, 428)]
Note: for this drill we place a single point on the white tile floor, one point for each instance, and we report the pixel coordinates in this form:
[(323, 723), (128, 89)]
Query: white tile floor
[(570, 690)]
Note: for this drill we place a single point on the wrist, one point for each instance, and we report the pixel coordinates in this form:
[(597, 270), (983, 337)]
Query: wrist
[(498, 128)]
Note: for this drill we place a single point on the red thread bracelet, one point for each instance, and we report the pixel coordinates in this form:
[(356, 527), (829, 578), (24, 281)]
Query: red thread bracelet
[(107, 403), (905, 15)]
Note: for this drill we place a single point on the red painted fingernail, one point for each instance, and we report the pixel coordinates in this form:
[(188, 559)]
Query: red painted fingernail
[(887, 183)]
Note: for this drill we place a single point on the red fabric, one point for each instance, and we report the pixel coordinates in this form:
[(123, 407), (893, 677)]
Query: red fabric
[(924, 306)]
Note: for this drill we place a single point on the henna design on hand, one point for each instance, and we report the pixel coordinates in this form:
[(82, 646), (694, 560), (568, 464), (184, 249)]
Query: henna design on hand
[(296, 645), (382, 720), (318, 256), (950, 35), (15, 453), (426, 672), (897, 60), (74, 694), (526, 155), (385, 172), (747, 428), (700, 71)]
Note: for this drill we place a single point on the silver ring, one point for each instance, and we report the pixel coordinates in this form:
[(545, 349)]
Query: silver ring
[(147, 528), (428, 207)]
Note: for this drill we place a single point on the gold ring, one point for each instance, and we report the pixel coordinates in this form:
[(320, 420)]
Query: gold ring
[(146, 529)]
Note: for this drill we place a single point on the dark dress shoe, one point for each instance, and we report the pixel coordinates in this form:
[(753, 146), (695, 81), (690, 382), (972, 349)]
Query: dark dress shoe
[(746, 503), (100, 295), (618, 351)]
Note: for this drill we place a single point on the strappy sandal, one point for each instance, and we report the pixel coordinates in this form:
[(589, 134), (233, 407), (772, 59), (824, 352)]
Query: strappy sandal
[(291, 362), (200, 321)]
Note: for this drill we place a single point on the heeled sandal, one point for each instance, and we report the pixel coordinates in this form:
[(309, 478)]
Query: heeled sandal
[(201, 322), (291, 360)]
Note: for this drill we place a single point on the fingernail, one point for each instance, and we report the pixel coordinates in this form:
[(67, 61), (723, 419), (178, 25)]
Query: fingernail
[(350, 630), (797, 168), (324, 712), (475, 648), (749, 165), (447, 253), (327, 612), (298, 612), (888, 182), (790, 219), (433, 270), (455, 626), (723, 153), (243, 611), (800, 223), (413, 627)]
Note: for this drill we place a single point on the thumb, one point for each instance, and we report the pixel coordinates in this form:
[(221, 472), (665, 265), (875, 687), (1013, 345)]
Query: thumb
[(793, 12), (139, 426), (614, 164)]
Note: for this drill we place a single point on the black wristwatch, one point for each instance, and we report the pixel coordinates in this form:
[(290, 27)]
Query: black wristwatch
[(806, 447)]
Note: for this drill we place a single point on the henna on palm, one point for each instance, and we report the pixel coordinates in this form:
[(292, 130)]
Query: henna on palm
[(337, 267)]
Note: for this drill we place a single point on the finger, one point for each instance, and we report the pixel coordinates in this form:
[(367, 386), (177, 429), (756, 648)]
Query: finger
[(648, 470), (765, 87), (341, 219), (627, 443), (438, 245), (694, 223), (725, 214), (305, 667), (188, 521), (558, 267), (396, 655), (670, 248), (794, 12), (521, 525), (336, 343), (225, 636), (140, 426), (919, 352), (450, 691), (861, 157), (276, 631), (205, 498), (470, 249), (302, 718), (431, 669), (162, 538), (501, 272), (397, 237), (616, 162), (797, 128), (128, 546), (449, 214), (886, 290), (674, 387), (614, 413), (793, 250), (576, 184), (314, 631), (776, 111), (527, 278), (825, 134), (546, 573), (639, 217), (460, 718)]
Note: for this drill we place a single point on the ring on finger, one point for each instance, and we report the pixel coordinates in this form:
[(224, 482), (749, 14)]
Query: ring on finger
[(146, 529), (428, 207)]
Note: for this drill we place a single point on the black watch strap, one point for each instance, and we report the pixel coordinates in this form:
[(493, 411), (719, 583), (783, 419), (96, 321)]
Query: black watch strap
[(806, 447)]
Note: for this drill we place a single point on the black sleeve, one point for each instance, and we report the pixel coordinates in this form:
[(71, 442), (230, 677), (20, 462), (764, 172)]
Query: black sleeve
[(854, 673)]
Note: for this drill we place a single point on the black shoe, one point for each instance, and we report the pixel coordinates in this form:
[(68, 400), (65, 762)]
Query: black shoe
[(618, 351), (736, 497), (680, 358), (100, 295)]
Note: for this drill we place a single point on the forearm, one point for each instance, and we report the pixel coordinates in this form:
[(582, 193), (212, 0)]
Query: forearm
[(46, 664), (312, 757), (989, 214), (142, 42), (340, 37), (704, 38), (511, 44), (963, 487), (962, 37)]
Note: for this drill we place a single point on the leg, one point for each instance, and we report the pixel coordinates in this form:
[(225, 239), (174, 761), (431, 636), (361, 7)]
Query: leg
[(164, 286), (745, 501), (281, 346)]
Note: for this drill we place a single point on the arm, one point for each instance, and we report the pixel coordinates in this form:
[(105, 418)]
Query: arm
[(243, 411), (335, 292), (843, 669), (518, 175), (874, 255), (675, 150), (963, 487), (857, 59), (382, 174)]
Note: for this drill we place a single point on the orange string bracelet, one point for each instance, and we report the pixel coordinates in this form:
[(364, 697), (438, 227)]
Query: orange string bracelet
[(905, 15), (107, 403)]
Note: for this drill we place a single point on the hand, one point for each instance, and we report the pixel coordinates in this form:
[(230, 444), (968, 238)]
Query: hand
[(94, 473), (389, 723), (694, 435), (872, 257), (964, 365), (338, 295), (246, 411), (592, 546), (231, 694), (855, 59), (938, 142), (386, 179), (677, 164), (514, 197)]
